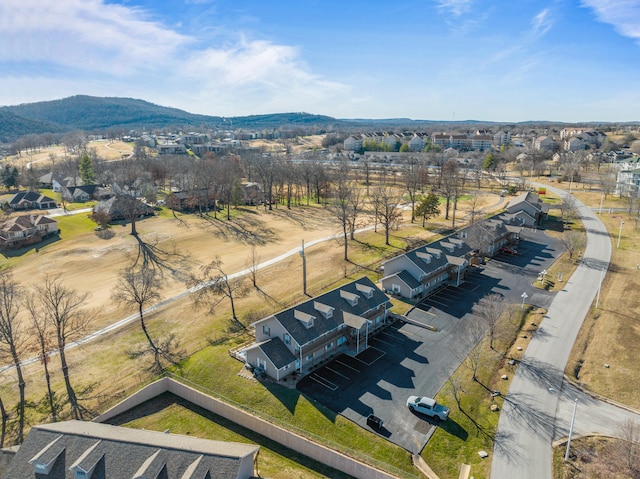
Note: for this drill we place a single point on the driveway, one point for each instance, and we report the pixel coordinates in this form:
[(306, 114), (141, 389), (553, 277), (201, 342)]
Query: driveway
[(418, 356)]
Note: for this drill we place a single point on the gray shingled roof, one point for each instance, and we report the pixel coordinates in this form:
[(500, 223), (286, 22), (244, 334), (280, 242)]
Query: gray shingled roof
[(119, 453), (277, 352), (321, 325)]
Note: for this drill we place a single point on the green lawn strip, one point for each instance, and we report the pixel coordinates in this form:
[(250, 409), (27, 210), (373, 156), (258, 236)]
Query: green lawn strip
[(472, 427), (173, 414), (214, 370), (74, 225)]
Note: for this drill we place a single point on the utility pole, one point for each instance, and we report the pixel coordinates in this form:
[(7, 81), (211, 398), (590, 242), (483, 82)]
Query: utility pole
[(304, 269)]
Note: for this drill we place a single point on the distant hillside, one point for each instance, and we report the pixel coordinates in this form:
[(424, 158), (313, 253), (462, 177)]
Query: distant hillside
[(13, 126), (94, 114), (89, 113)]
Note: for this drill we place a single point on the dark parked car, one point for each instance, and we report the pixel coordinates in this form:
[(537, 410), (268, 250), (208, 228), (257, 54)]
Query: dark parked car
[(374, 421)]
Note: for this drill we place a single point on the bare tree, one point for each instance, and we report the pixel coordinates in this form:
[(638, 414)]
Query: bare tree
[(43, 335), (141, 288), (628, 453), (63, 310), (412, 182), (341, 204), (386, 205), (489, 310), (608, 183), (253, 263), (450, 171), (13, 337), (213, 285), (573, 242)]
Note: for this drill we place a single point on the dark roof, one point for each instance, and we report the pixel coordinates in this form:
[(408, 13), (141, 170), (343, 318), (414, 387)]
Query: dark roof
[(88, 189), (321, 325), (123, 453), (277, 352), (407, 279), (30, 196)]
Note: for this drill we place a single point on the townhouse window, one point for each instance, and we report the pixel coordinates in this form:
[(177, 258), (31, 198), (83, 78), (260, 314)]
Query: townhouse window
[(287, 338), (309, 357), (341, 340), (266, 330)]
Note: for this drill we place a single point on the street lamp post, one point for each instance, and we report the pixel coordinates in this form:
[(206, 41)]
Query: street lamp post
[(524, 296), (620, 233), (543, 276), (573, 418)]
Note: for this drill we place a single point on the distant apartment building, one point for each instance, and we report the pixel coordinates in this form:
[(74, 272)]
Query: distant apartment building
[(543, 143), (353, 143), (574, 144), (502, 138), (417, 143)]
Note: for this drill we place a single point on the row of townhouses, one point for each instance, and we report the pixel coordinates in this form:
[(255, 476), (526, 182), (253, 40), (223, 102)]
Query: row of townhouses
[(342, 321)]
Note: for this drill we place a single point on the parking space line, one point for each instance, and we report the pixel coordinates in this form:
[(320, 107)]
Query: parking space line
[(348, 366), (324, 382), (388, 343), (376, 359), (338, 373), (390, 335)]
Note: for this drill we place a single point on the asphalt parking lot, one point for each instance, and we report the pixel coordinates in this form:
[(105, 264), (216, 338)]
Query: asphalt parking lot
[(418, 357)]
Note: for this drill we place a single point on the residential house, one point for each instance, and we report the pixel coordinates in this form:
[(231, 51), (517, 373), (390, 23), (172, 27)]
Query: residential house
[(427, 268), (83, 193), (51, 181), (190, 200), (25, 230), (299, 338), (529, 207), (122, 207), (89, 450), (31, 200)]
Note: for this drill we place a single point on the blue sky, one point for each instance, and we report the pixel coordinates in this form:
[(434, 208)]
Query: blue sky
[(498, 60)]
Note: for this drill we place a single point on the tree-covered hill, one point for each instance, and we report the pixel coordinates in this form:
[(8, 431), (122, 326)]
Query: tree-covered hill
[(89, 113), (13, 126), (96, 114)]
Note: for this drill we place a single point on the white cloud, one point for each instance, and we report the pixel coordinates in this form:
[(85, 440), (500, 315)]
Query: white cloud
[(541, 23), (624, 15), (457, 7), (98, 48), (83, 34)]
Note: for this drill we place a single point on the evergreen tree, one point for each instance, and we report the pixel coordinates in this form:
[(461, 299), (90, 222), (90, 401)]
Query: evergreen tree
[(87, 172)]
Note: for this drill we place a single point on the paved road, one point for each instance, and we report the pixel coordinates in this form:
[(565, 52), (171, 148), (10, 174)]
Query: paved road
[(527, 422), (593, 415)]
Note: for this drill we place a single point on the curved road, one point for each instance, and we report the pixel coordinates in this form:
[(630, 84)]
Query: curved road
[(527, 424)]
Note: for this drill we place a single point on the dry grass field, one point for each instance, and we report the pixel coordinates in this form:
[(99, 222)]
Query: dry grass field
[(105, 149), (88, 263)]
